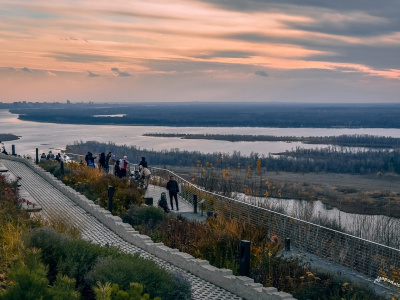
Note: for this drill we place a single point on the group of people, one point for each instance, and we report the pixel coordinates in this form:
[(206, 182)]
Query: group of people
[(50, 156), (110, 164), (118, 167)]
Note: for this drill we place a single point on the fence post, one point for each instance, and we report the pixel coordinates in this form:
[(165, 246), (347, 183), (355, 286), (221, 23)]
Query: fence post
[(110, 198), (287, 244), (62, 168), (195, 203), (13, 150), (370, 260), (244, 267), (37, 155), (335, 248), (352, 250)]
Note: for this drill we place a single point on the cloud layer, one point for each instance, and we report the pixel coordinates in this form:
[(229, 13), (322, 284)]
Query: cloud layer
[(210, 50)]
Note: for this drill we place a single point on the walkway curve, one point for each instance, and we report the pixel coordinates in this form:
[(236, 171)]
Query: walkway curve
[(55, 203)]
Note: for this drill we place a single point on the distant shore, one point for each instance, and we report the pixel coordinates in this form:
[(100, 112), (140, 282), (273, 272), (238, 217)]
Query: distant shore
[(215, 114), (7, 137)]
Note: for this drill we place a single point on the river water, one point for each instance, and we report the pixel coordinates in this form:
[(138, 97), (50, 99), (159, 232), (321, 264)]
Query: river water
[(49, 136)]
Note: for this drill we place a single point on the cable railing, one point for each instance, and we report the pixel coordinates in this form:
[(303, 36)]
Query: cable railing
[(355, 253)]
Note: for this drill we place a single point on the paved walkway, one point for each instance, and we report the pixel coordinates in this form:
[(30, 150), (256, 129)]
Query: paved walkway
[(185, 208), (54, 203)]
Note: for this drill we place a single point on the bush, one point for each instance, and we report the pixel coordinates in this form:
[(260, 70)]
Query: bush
[(28, 275), (94, 183), (327, 287), (68, 256), (89, 263), (50, 166), (126, 269), (143, 215), (29, 279)]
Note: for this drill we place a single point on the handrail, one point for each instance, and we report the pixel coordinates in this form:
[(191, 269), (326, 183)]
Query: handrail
[(271, 211), (348, 250)]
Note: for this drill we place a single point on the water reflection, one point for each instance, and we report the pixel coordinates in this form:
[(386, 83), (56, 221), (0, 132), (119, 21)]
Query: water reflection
[(378, 228)]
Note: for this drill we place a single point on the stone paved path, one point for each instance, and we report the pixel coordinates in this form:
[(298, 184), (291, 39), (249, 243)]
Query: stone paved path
[(185, 208), (54, 203)]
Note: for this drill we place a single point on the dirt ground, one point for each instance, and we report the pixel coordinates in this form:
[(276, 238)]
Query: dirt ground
[(384, 183), (367, 194)]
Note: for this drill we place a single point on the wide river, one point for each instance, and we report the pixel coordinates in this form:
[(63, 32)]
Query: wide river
[(49, 136)]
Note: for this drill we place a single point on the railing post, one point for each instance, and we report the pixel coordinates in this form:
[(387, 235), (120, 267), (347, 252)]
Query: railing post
[(62, 168), (335, 248), (244, 267), (287, 244), (370, 260), (195, 203), (37, 155), (13, 150), (110, 198), (352, 250)]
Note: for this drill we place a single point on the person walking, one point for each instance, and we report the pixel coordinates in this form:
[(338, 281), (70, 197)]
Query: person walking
[(173, 188)]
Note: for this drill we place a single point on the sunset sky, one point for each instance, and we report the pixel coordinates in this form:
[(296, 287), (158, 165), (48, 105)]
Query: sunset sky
[(204, 50)]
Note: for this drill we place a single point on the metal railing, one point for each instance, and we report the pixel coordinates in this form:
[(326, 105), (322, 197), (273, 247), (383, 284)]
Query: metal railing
[(355, 253)]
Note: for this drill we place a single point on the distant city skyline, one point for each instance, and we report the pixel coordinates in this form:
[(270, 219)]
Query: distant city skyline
[(205, 50)]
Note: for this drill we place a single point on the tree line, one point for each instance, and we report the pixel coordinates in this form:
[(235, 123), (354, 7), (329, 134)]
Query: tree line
[(328, 160), (220, 114), (354, 140)]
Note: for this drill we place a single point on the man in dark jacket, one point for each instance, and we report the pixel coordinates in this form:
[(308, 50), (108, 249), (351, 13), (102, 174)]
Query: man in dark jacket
[(173, 188), (143, 163)]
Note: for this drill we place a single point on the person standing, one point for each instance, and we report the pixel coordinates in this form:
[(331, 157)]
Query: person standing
[(124, 165), (173, 188), (143, 163), (146, 177), (117, 169), (111, 163), (102, 161), (108, 156), (87, 157)]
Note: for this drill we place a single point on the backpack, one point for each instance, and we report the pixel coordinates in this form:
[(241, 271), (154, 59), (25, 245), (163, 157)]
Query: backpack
[(124, 164), (91, 164)]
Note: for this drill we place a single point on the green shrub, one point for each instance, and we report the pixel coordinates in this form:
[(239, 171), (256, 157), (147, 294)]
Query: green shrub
[(123, 270), (64, 288), (65, 255), (143, 215), (29, 278), (89, 263), (106, 292), (50, 165)]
